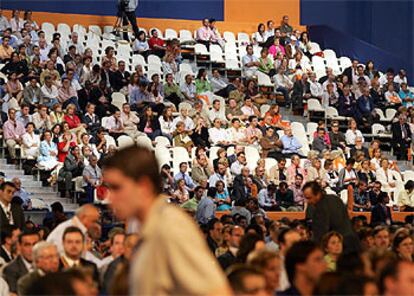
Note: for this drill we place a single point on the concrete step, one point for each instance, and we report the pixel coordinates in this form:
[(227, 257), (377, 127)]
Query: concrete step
[(11, 173), (45, 195), (49, 201), (39, 189), (5, 166), (70, 207), (31, 183)]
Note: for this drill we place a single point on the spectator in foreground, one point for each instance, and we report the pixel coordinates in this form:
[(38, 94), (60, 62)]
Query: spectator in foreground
[(129, 168)]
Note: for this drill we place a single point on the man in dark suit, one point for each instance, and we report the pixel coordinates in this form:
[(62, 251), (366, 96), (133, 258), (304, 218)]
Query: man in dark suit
[(214, 236), (381, 213), (329, 214), (10, 213), (301, 91), (401, 138), (9, 235), (22, 264), (351, 71), (73, 245), (364, 108), (120, 77), (46, 259), (229, 258)]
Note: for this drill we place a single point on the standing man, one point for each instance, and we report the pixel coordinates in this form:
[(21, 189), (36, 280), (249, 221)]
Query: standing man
[(127, 13), (329, 214), (165, 259), (10, 213)]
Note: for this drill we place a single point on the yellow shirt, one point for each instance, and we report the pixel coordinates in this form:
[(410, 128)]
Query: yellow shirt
[(173, 258)]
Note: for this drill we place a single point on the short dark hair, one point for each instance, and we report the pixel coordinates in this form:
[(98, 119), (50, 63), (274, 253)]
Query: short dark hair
[(7, 232), (136, 162), (72, 229), (5, 184), (211, 223), (298, 253), (390, 270), (314, 186), (27, 232), (56, 207)]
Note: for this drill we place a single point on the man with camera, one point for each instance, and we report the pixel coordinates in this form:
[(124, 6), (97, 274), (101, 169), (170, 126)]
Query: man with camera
[(126, 13)]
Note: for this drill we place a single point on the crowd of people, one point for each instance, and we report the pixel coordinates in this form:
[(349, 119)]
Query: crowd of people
[(58, 117)]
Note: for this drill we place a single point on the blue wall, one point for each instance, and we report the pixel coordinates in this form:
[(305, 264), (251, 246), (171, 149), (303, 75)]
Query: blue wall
[(386, 24), (181, 9)]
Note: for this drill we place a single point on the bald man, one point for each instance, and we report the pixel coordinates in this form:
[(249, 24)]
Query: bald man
[(85, 217)]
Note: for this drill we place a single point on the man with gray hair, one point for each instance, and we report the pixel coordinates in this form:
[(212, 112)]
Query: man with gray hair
[(85, 216), (92, 177), (45, 260)]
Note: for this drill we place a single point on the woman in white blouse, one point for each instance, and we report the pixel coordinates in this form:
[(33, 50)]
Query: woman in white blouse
[(387, 175), (166, 123), (141, 45), (352, 133), (376, 159), (16, 22), (31, 142), (260, 37)]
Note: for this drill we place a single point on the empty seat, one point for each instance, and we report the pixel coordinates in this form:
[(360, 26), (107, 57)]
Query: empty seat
[(118, 99), (318, 63), (170, 34), (163, 155), (315, 105), (243, 38), (345, 62), (264, 108), (314, 48), (162, 141), (64, 29), (229, 37), (95, 29), (138, 59), (186, 36), (144, 141), (153, 59), (125, 141)]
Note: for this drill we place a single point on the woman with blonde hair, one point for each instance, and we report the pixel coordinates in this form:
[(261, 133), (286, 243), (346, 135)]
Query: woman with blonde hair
[(270, 264), (75, 125)]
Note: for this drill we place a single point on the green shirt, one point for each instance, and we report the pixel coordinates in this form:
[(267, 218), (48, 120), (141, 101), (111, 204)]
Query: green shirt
[(190, 204), (202, 86), (265, 65), (174, 88)]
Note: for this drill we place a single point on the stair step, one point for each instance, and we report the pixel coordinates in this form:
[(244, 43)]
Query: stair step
[(4, 166), (39, 189), (11, 173), (70, 207)]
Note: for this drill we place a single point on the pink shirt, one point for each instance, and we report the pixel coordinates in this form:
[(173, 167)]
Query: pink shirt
[(13, 130), (204, 34), (273, 50)]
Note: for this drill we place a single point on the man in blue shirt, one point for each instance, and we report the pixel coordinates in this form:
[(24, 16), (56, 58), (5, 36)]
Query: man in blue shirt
[(291, 144), (189, 183)]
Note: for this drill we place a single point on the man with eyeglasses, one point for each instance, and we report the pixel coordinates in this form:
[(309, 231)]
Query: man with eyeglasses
[(337, 137), (46, 260), (85, 216)]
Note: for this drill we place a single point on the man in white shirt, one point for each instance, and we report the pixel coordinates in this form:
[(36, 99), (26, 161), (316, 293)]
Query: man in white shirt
[(85, 216), (217, 82), (249, 109), (236, 132), (188, 122), (401, 77), (250, 63), (44, 50), (218, 135), (360, 74), (74, 40), (130, 121), (188, 88), (315, 87), (237, 166), (215, 112)]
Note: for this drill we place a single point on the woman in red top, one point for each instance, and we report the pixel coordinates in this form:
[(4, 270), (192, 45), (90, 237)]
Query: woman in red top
[(276, 116), (73, 121), (64, 146)]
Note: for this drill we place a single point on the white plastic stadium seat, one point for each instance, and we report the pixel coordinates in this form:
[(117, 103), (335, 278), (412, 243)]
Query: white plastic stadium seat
[(332, 113), (315, 48), (110, 140), (39, 204), (311, 128), (138, 59), (315, 105), (95, 29), (264, 108), (64, 29), (163, 156), (263, 79), (162, 141), (329, 54), (118, 99), (170, 34), (243, 38), (180, 155), (318, 63), (345, 62), (229, 37), (269, 163), (153, 59), (144, 141), (186, 67), (185, 36), (390, 114), (252, 156), (125, 141)]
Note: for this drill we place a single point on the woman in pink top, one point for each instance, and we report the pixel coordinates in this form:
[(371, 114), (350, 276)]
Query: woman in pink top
[(276, 47)]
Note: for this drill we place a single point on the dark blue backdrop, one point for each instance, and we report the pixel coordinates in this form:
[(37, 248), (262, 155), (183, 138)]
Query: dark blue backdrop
[(386, 24), (181, 9)]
